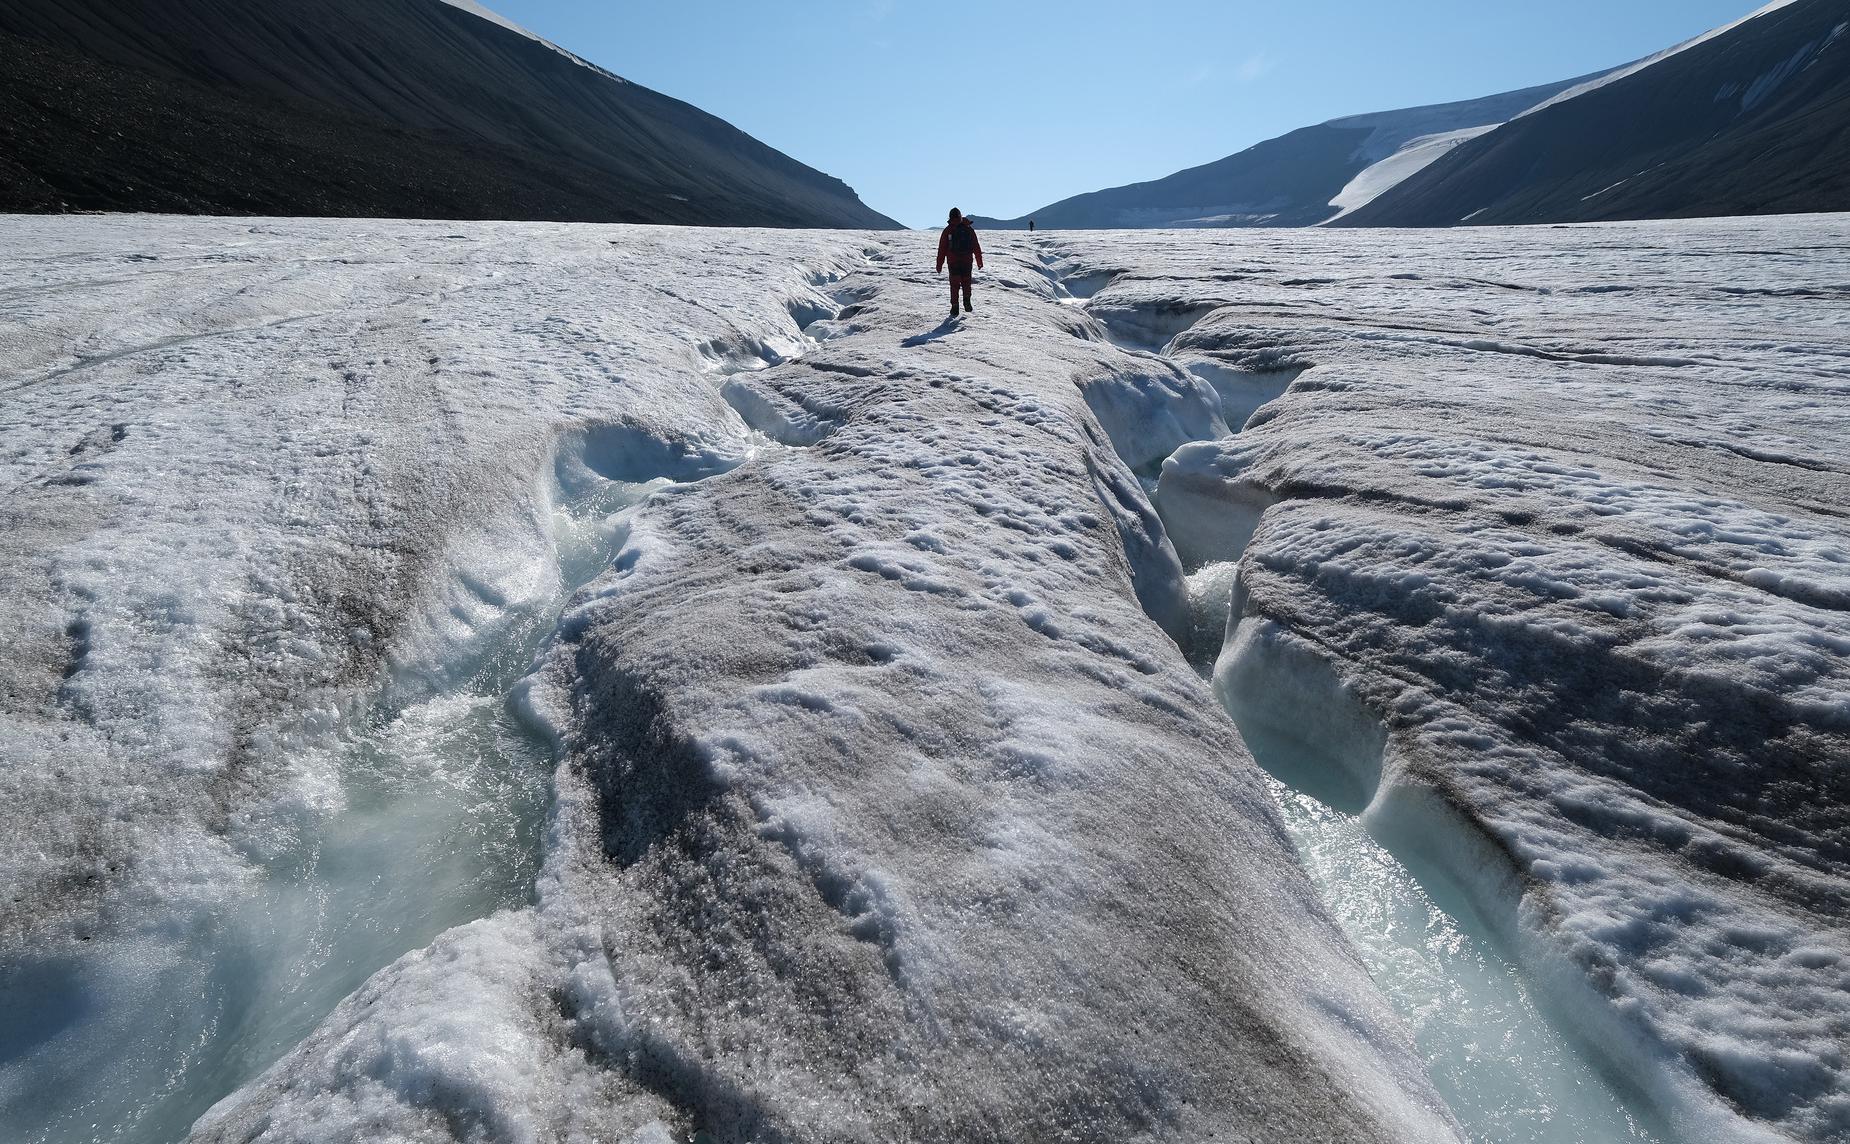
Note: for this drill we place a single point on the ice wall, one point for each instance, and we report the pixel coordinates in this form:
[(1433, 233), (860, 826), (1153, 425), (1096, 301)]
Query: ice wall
[(1544, 544)]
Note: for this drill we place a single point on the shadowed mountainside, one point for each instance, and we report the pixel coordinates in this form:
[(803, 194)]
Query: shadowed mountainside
[(1753, 121), (1287, 181), (405, 108)]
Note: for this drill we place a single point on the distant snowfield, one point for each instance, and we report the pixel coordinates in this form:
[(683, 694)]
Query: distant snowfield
[(1413, 157), (540, 682), (1401, 144)]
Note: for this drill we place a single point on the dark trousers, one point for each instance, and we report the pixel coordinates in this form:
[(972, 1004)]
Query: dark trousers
[(960, 280)]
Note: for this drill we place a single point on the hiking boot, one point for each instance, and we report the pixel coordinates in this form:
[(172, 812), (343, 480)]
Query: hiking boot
[(968, 307), (953, 309)]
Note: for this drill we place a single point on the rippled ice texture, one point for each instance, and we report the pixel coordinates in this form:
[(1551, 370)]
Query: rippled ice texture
[(1543, 566), (884, 799), (881, 800)]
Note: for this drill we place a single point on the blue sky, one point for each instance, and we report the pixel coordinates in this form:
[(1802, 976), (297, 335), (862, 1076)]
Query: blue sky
[(1006, 106)]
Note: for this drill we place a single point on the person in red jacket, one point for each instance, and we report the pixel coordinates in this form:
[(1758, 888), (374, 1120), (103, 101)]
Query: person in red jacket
[(958, 246)]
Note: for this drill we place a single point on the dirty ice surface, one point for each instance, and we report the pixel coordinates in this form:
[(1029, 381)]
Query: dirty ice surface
[(1544, 569), (492, 681), (880, 797)]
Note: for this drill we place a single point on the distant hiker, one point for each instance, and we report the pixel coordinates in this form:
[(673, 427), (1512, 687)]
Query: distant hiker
[(1030, 224), (958, 246)]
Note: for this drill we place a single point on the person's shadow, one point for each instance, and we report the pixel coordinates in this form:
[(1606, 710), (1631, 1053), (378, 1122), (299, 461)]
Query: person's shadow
[(945, 328)]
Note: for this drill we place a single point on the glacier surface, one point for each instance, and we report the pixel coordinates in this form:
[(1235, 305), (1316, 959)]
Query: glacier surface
[(492, 681), (1543, 567)]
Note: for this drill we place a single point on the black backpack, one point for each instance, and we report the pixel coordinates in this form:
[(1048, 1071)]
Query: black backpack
[(963, 241)]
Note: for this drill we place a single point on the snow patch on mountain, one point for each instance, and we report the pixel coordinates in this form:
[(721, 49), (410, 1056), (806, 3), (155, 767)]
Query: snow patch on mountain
[(1414, 156), (474, 8), (1765, 85), (489, 14)]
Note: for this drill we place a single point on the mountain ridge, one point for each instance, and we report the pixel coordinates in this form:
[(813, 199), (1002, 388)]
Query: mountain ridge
[(1289, 180), (407, 108), (1751, 119)]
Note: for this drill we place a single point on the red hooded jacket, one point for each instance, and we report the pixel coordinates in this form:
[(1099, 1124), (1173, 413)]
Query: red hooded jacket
[(960, 264)]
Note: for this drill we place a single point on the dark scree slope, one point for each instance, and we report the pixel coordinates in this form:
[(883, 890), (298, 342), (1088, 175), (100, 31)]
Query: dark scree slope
[(400, 108), (1754, 121)]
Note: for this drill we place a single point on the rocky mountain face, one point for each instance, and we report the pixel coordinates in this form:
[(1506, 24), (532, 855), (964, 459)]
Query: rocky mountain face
[(1288, 181), (399, 108), (1754, 120)]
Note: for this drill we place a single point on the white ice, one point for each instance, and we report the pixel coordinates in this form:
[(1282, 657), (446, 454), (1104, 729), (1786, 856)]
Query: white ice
[(884, 798), (1509, 1074), (291, 507), (1542, 557)]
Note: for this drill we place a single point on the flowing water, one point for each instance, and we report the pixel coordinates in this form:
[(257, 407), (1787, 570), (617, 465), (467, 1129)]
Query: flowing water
[(1508, 1074), (444, 804)]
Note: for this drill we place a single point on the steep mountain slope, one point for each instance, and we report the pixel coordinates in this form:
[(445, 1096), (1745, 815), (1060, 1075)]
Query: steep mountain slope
[(413, 108), (1754, 119), (1288, 181)]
